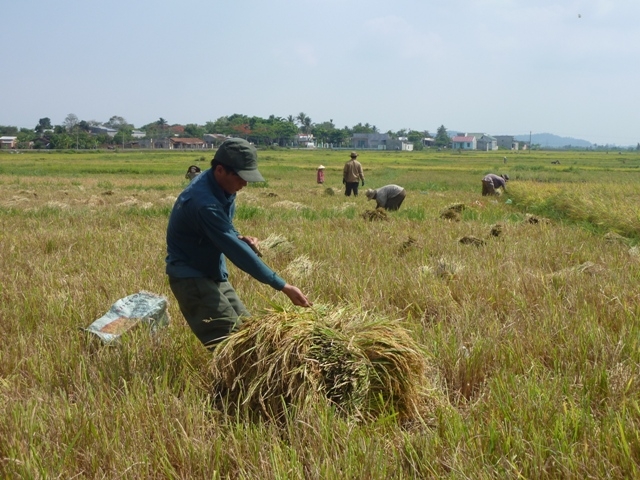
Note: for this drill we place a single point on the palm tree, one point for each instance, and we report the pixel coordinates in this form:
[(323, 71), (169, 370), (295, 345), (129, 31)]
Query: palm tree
[(307, 125)]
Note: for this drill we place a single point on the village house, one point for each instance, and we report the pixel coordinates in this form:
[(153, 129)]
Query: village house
[(486, 142), (305, 140), (380, 141), (508, 142), (464, 142), (8, 142), (186, 144), (212, 140)]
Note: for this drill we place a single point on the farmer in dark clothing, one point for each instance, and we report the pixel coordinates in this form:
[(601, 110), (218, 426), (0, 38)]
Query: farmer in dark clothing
[(201, 234), (491, 183)]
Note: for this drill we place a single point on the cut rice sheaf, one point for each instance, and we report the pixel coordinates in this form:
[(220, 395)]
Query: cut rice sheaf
[(364, 365)]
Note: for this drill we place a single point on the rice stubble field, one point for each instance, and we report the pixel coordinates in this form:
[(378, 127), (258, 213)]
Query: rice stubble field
[(523, 308)]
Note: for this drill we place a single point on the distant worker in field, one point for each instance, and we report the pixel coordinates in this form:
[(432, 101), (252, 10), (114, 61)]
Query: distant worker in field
[(201, 236), (389, 197), (351, 174), (491, 183), (320, 174), (192, 172)]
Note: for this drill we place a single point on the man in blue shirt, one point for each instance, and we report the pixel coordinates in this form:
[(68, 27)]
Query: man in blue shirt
[(201, 234)]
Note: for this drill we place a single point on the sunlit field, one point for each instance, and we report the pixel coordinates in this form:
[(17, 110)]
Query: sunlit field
[(531, 331)]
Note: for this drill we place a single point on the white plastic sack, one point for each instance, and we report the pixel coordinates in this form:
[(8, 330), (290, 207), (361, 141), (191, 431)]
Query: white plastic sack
[(127, 312)]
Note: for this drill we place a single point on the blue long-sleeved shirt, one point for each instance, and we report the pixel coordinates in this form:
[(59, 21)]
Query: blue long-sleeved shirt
[(201, 234)]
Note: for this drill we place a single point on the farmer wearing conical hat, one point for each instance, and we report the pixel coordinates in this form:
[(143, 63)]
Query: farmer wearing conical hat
[(389, 197), (201, 235), (320, 174)]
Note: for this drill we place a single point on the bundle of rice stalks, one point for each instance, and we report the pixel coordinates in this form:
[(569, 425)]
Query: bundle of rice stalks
[(450, 215), (443, 268), (471, 240), (344, 207), (534, 220), (94, 201), (455, 207), (300, 267), (329, 191), (361, 364), (275, 243), (589, 268), (614, 237), (377, 214), (271, 194), (407, 244), (289, 205), (496, 230)]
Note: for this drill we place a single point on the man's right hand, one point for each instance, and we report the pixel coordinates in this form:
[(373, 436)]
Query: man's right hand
[(296, 296)]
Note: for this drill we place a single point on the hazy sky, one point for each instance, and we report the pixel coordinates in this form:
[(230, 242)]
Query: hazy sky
[(571, 68)]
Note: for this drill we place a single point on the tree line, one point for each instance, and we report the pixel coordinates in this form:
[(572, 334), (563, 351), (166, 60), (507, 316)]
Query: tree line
[(76, 133)]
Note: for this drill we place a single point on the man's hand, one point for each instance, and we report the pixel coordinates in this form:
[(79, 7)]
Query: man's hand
[(363, 183), (344, 181), (296, 296), (252, 242)]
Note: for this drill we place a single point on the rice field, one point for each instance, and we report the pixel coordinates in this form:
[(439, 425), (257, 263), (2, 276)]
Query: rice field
[(460, 337)]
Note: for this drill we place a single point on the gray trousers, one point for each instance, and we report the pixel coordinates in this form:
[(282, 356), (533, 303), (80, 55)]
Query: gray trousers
[(394, 203), (488, 188), (212, 309)]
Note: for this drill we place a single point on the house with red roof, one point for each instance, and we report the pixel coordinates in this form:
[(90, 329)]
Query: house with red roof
[(464, 142)]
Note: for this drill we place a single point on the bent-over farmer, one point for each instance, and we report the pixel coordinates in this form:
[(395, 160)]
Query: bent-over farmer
[(389, 197), (492, 182)]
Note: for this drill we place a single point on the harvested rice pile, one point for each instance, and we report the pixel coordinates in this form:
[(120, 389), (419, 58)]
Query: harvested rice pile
[(496, 230), (455, 207), (534, 220), (289, 205), (471, 240), (275, 244), (301, 267), (329, 191), (377, 214), (614, 237), (450, 215), (452, 212), (408, 244), (589, 268), (361, 364)]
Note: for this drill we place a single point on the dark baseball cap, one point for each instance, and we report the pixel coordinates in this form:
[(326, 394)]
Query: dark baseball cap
[(240, 155)]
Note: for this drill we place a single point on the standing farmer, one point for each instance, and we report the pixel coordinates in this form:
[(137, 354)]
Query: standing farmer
[(351, 173), (201, 235), (320, 174)]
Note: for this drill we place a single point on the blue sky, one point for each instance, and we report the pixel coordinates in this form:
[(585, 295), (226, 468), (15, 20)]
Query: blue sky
[(571, 68)]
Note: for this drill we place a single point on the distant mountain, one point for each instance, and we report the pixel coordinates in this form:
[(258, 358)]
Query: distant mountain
[(553, 141)]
